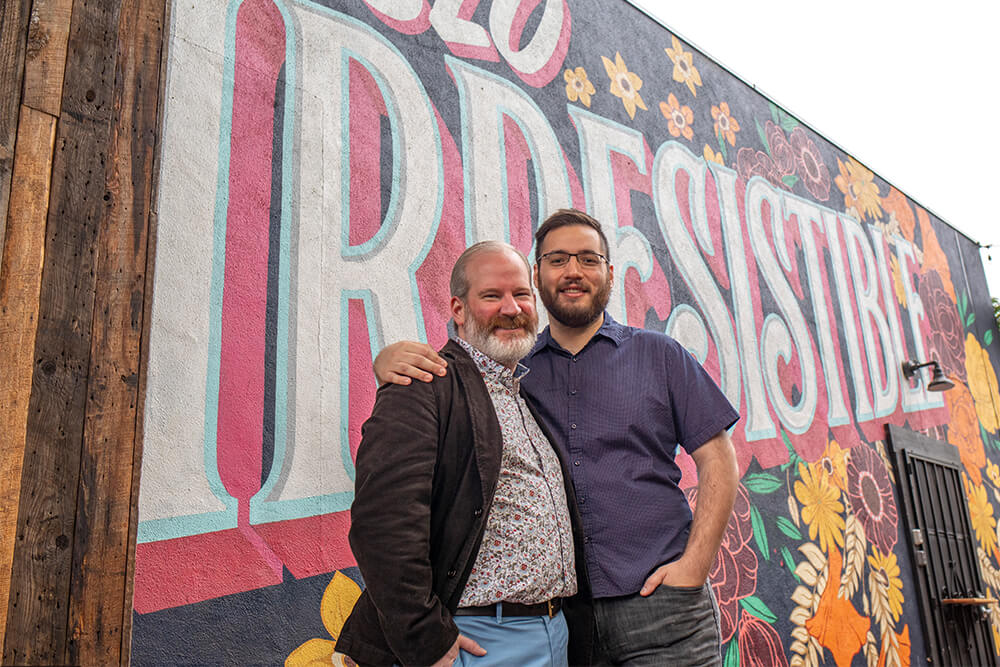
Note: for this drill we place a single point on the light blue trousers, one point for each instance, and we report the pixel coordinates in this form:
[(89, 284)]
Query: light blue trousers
[(526, 641)]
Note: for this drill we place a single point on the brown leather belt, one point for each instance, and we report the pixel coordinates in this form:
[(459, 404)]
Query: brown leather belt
[(548, 608)]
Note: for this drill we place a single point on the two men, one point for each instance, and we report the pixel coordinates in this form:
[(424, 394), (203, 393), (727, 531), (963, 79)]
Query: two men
[(618, 401), (463, 523)]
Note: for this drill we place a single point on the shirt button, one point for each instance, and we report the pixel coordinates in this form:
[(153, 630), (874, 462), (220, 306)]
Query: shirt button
[(452, 573), (572, 392), (478, 512), (583, 500), (574, 360), (587, 540), (573, 426), (577, 462)]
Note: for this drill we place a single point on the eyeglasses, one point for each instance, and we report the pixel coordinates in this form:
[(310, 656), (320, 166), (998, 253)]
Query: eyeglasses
[(588, 259)]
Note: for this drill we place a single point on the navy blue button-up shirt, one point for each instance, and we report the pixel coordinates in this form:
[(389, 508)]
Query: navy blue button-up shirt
[(619, 408)]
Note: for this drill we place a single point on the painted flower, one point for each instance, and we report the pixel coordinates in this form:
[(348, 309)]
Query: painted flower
[(870, 493), (837, 625), (944, 332), (750, 163), (334, 608), (781, 150), (578, 86), (821, 507), (897, 281), (898, 207), (678, 117), (833, 462), (809, 165), (933, 256), (684, 70), (713, 155), (759, 643), (624, 84), (734, 574), (885, 586), (858, 185), (963, 431), (993, 472), (725, 125), (982, 383), (981, 515)]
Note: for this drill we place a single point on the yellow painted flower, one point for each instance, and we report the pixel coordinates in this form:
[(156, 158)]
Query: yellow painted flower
[(981, 515), (821, 507), (982, 383), (678, 117), (338, 601), (684, 70), (886, 587), (713, 155), (858, 185), (993, 472), (725, 125), (578, 86), (833, 462), (624, 84)]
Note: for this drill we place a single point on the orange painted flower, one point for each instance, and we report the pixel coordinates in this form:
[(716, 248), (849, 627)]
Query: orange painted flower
[(933, 256), (896, 204), (713, 155), (833, 461), (624, 84), (837, 625), (725, 125), (821, 507), (684, 70), (858, 185), (982, 383), (578, 86), (981, 515), (678, 117), (963, 431), (334, 608)]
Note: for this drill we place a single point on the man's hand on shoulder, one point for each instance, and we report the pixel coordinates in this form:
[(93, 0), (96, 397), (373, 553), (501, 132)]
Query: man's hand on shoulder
[(463, 643), (406, 360)]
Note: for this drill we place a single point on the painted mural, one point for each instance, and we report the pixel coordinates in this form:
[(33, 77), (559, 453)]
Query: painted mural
[(323, 164)]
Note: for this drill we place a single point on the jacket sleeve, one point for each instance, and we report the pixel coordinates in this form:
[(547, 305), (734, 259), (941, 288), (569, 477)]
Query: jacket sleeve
[(390, 522)]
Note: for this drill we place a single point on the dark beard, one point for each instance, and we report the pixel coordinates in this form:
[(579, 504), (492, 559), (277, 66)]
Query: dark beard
[(576, 317)]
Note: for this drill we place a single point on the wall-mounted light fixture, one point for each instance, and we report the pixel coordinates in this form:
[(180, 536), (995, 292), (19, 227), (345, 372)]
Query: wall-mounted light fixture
[(938, 380)]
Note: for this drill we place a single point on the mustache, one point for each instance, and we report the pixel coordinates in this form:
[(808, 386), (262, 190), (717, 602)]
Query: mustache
[(519, 321)]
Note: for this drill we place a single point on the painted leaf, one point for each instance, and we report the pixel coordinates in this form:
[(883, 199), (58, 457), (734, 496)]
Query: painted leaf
[(774, 113), (854, 553), (759, 532), (837, 625), (790, 180), (338, 601), (722, 146), (789, 529), (786, 556), (788, 123), (793, 509), (763, 137), (988, 337), (754, 605), (762, 482), (970, 319), (732, 654)]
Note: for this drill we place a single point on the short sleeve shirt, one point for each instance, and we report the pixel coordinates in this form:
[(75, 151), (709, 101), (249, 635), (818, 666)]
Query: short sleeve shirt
[(619, 409)]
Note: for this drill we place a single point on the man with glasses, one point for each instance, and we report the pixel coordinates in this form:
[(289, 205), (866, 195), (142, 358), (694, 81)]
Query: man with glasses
[(618, 401)]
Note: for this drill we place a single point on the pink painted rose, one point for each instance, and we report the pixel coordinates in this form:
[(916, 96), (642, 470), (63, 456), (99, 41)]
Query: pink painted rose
[(760, 645), (809, 165)]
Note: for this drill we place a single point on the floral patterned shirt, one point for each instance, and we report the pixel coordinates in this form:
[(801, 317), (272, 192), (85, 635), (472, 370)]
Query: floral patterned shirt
[(527, 551)]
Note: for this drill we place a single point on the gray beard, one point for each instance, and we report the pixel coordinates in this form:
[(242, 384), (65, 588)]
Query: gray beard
[(505, 353)]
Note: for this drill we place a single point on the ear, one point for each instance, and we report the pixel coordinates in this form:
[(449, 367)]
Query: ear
[(534, 277), (611, 274), (457, 311)]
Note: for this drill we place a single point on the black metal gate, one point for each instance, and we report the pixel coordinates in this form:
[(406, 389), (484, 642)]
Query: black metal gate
[(949, 585)]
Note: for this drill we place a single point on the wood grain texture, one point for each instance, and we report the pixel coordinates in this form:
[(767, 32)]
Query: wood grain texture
[(14, 17), (100, 551), (45, 56), (20, 281), (40, 573)]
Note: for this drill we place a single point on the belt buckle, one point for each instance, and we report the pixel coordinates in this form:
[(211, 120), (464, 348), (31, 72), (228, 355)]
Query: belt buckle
[(551, 613)]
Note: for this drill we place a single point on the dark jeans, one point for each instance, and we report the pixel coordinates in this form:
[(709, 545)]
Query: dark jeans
[(673, 626)]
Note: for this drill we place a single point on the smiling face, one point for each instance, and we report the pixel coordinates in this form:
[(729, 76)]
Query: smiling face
[(498, 314), (573, 295)]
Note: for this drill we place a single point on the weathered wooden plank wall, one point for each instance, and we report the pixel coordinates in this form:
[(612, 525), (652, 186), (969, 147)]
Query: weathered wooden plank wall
[(80, 84)]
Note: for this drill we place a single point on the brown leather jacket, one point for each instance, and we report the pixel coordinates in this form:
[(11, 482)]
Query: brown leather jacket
[(427, 469)]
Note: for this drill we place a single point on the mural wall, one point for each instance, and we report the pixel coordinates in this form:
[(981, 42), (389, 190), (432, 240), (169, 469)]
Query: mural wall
[(323, 164)]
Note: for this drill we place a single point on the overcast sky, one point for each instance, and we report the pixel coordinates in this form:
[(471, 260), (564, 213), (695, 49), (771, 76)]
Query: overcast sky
[(908, 88)]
